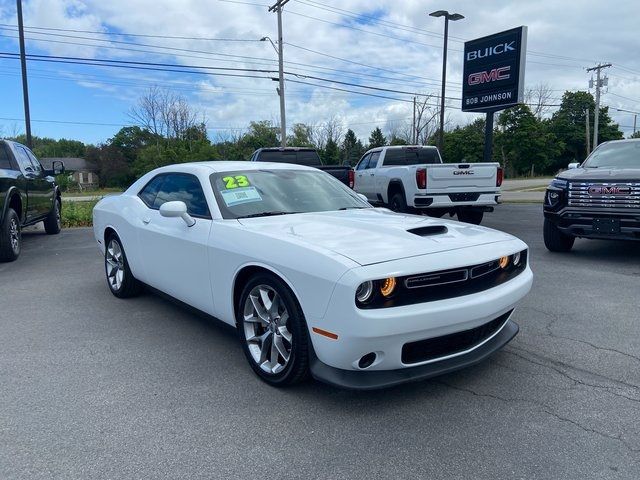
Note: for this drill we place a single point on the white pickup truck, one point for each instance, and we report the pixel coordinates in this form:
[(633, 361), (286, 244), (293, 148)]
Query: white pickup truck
[(413, 178)]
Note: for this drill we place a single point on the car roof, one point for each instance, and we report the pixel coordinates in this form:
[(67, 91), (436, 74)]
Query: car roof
[(218, 166)]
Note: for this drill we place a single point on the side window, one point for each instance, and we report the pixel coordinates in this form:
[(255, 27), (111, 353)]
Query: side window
[(34, 161), (185, 188), (150, 191), (5, 159), (373, 161), (363, 163), (23, 159), (394, 156)]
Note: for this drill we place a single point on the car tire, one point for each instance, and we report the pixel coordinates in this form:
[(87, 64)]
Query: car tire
[(121, 281), (277, 349), (398, 203), (554, 239), (470, 216), (10, 237), (53, 222)]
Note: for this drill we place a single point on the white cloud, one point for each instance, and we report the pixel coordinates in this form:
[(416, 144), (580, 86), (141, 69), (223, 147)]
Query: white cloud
[(562, 41)]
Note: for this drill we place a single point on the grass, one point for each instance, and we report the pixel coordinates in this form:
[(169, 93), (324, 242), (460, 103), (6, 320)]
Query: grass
[(77, 214), (91, 193)]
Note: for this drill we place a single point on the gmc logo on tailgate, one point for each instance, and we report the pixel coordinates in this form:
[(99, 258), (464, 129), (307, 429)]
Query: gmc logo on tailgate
[(463, 172), (609, 190)]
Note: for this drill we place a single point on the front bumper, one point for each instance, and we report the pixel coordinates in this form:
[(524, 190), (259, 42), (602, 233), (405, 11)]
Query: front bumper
[(581, 222), (387, 332), (376, 379)]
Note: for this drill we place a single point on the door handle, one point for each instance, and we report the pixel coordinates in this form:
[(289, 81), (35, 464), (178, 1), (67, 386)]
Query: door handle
[(371, 174), (146, 221)]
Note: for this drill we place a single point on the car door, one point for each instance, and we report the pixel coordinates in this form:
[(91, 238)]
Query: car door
[(359, 178), (369, 174), (42, 185), (33, 186), (174, 255)]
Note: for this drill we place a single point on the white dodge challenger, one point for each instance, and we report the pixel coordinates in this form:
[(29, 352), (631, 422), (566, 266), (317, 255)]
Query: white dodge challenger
[(314, 278)]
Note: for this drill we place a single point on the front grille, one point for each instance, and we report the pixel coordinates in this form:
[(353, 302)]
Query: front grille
[(604, 195), (464, 197), (432, 348)]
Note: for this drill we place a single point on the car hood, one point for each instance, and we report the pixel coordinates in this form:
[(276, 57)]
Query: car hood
[(601, 174), (374, 235)]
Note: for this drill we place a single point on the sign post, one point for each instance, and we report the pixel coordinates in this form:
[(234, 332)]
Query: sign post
[(494, 76)]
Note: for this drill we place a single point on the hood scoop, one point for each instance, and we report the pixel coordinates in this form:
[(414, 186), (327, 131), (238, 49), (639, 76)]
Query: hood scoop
[(429, 230)]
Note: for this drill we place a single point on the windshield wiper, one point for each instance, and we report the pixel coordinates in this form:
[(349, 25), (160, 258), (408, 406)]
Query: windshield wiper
[(351, 208), (267, 214)]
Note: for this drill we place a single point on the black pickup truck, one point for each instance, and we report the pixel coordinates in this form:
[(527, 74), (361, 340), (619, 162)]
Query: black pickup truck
[(599, 198), (28, 195), (303, 156)]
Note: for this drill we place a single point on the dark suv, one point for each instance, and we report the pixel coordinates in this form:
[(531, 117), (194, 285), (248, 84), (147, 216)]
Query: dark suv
[(599, 198), (28, 195)]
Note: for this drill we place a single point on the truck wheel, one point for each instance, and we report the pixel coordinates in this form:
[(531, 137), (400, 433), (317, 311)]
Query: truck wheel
[(53, 222), (554, 239), (470, 216), (397, 203), (10, 237)]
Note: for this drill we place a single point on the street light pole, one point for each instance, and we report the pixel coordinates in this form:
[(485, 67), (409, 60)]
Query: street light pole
[(25, 86), (453, 17), (277, 7)]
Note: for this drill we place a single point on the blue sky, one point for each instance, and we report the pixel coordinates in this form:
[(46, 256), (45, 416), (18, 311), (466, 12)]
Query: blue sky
[(389, 44)]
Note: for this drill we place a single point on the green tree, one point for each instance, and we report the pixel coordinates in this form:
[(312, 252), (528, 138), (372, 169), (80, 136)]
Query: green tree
[(376, 139), (301, 136), (525, 144), (260, 135), (568, 124), (330, 155), (464, 144), (394, 140), (351, 149)]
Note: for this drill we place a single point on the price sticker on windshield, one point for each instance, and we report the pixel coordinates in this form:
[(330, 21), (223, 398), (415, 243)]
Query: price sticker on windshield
[(236, 196), (236, 181)]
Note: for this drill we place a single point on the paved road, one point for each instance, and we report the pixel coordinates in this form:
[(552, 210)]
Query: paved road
[(95, 387)]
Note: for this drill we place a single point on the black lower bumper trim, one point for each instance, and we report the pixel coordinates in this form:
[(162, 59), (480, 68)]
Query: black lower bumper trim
[(376, 379)]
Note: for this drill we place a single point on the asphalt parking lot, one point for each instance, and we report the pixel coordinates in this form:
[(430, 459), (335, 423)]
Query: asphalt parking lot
[(96, 387)]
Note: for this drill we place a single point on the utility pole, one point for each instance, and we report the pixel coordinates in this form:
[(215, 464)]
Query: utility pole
[(414, 140), (635, 118), (599, 84), (25, 85), (277, 7), (586, 114)]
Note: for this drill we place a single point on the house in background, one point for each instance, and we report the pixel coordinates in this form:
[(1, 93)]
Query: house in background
[(82, 173)]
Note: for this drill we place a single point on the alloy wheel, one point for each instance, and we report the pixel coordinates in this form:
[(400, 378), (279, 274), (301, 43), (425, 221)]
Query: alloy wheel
[(266, 329), (114, 260), (14, 235)]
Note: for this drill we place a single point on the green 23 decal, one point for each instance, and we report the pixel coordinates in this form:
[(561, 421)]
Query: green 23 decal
[(235, 182)]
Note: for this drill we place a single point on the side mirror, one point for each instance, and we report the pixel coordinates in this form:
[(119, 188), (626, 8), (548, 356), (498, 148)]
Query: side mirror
[(175, 210), (363, 197), (57, 167), (573, 165)]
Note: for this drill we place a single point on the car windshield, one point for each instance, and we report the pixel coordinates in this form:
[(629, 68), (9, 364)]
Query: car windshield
[(256, 193), (615, 155)]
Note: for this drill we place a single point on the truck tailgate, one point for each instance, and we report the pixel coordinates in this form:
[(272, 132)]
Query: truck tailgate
[(458, 177)]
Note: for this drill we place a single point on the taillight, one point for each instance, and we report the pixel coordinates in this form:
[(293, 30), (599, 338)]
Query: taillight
[(499, 177), (421, 178), (351, 179)]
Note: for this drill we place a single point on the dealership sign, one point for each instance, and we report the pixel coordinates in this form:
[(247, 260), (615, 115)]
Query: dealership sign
[(494, 71)]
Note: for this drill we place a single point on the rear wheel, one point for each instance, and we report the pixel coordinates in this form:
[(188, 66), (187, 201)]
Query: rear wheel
[(470, 216), (398, 203), (121, 281), (554, 239), (53, 223), (10, 237), (273, 331)]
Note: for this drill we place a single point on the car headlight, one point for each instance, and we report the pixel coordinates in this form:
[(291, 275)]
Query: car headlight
[(364, 293), (388, 286), (558, 183)]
